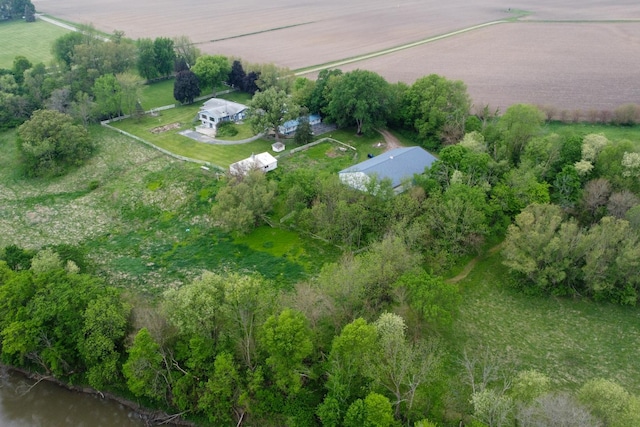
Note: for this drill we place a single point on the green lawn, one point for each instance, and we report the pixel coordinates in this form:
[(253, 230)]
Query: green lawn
[(570, 340), (32, 40), (158, 94), (220, 155)]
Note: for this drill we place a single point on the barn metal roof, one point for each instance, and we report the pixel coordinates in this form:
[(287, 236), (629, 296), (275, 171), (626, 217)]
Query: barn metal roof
[(397, 164)]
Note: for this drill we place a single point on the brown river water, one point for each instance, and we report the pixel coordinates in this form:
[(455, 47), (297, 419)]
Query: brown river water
[(48, 405)]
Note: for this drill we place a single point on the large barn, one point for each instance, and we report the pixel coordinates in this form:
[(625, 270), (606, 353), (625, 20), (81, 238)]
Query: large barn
[(396, 165)]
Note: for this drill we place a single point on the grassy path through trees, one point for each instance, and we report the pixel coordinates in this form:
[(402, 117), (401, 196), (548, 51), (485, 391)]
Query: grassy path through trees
[(469, 267)]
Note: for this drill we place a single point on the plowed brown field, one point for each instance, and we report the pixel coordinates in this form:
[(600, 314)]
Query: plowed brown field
[(571, 65)]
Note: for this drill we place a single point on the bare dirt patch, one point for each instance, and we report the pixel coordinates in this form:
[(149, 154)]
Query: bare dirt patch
[(334, 152), (165, 128), (569, 65), (390, 141)]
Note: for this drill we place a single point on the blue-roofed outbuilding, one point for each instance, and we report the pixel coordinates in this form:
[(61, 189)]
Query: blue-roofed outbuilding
[(397, 165)]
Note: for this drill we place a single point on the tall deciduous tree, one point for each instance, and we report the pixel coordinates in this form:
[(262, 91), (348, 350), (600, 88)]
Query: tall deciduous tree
[(270, 109), (186, 50), (434, 300), (432, 103), (105, 323), (401, 367), (146, 62), (130, 92), (287, 340), (144, 368), (108, 95), (243, 202), (319, 98), (271, 76), (186, 87), (361, 98), (612, 261), (547, 251), (164, 54), (63, 47), (212, 70), (346, 379), (20, 65), (518, 125), (49, 143)]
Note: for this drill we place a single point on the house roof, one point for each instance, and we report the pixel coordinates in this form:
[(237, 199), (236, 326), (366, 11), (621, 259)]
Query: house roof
[(216, 107), (396, 164)]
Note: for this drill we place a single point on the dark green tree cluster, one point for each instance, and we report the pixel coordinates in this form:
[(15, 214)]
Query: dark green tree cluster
[(59, 321), (156, 58), (17, 9), (49, 143), (435, 108)]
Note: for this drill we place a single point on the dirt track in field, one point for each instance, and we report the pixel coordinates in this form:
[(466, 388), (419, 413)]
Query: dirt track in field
[(572, 65)]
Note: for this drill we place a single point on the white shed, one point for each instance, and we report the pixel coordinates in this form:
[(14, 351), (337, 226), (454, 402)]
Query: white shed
[(264, 162)]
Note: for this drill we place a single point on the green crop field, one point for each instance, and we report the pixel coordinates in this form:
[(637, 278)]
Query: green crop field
[(32, 40)]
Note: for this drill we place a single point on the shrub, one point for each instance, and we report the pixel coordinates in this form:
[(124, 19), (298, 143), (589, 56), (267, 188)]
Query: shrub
[(227, 129)]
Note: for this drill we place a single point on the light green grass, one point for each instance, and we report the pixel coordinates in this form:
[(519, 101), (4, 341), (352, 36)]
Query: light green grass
[(311, 254), (32, 40), (614, 133), (158, 94), (328, 155), (570, 340)]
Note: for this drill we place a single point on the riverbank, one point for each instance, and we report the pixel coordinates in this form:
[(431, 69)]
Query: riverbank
[(146, 416)]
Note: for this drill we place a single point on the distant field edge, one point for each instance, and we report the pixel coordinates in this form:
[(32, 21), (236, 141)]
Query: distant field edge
[(333, 64)]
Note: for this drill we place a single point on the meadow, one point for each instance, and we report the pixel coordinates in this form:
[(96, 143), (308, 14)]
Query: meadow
[(29, 39), (570, 340), (142, 218)]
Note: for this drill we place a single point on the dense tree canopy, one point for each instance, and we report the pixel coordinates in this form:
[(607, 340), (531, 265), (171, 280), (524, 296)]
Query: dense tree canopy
[(437, 108), (356, 340), (50, 143), (360, 98), (271, 109), (212, 70), (61, 322)]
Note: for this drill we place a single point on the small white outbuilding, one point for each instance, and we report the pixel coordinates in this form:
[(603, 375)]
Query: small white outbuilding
[(264, 162)]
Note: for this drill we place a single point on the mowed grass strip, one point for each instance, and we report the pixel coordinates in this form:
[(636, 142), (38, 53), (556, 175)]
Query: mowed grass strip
[(157, 94), (570, 340), (32, 40)]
